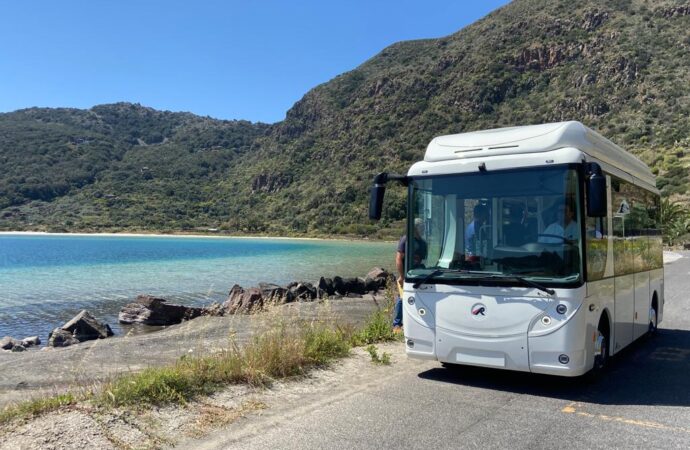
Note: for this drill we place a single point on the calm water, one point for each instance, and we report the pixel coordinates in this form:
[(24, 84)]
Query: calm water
[(46, 280)]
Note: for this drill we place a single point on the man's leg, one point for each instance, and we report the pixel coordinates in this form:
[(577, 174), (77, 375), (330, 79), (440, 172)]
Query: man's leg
[(397, 313)]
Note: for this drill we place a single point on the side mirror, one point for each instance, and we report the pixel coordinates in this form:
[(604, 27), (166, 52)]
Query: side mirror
[(596, 191), (379, 189), (376, 201)]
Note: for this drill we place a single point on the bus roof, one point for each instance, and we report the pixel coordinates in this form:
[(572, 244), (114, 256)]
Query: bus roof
[(534, 139)]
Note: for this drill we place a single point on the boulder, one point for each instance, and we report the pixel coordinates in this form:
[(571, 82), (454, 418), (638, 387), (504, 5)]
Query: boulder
[(326, 285), (303, 291), (150, 310), (371, 284), (215, 309), (339, 286), (31, 341), (345, 286), (61, 338), (85, 327), (381, 276), (378, 272), (7, 343), (18, 348), (272, 293), (243, 301), (354, 286), (82, 327)]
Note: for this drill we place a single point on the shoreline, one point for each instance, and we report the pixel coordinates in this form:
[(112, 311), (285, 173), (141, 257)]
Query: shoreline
[(187, 236)]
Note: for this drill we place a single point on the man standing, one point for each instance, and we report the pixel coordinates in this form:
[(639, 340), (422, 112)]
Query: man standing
[(418, 254), (481, 216)]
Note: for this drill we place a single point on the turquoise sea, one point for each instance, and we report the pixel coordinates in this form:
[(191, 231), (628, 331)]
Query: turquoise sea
[(46, 279)]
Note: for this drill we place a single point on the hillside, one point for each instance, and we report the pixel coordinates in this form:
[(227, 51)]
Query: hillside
[(115, 167), (621, 67)]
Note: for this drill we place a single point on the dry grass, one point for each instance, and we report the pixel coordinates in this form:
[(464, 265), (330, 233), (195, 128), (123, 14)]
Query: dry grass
[(282, 353)]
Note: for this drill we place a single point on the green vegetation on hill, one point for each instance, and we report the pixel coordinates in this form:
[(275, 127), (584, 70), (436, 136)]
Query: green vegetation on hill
[(116, 167), (621, 67)]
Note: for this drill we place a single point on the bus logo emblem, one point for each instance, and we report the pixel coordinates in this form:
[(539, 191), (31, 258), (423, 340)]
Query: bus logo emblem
[(478, 311)]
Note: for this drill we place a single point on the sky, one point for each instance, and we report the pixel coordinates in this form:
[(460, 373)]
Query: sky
[(230, 59)]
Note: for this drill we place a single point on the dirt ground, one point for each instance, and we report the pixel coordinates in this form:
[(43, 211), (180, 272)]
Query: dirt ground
[(83, 426)]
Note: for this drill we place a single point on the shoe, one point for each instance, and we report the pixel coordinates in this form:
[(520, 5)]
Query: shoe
[(397, 329)]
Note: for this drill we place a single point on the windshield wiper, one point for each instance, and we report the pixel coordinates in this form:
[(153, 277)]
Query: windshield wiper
[(484, 276), (522, 280), (533, 284), (431, 275)]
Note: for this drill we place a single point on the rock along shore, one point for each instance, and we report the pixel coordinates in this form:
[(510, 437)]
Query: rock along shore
[(157, 311), (150, 310)]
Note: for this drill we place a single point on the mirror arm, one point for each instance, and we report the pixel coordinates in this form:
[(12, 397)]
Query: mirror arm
[(384, 177)]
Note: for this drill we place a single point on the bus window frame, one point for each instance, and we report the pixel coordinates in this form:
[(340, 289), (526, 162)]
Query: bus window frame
[(578, 167)]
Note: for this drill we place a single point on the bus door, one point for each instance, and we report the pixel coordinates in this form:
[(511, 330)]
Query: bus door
[(623, 268)]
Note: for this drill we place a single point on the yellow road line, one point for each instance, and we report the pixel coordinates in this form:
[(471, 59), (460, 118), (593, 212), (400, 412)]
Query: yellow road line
[(571, 409)]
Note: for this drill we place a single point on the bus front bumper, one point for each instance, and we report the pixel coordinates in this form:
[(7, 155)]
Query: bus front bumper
[(542, 354), (509, 352)]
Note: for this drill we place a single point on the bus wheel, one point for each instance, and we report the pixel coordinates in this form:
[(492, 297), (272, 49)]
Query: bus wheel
[(450, 366), (601, 351), (653, 320)]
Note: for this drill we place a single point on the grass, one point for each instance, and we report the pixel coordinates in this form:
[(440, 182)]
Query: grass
[(35, 407), (378, 327), (282, 353), (384, 358)]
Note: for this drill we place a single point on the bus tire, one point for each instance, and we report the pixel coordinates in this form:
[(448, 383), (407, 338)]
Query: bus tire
[(601, 355), (450, 366), (601, 348), (653, 317)]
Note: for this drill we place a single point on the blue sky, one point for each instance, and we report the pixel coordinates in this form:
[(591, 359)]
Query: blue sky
[(226, 59)]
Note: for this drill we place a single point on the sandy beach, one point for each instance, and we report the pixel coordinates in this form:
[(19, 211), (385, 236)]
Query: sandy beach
[(187, 235)]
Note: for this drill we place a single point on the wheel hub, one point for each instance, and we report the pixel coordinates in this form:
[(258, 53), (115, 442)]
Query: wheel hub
[(599, 346), (652, 319)]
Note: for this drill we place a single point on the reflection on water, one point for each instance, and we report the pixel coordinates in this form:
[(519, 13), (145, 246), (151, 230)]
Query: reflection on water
[(46, 280)]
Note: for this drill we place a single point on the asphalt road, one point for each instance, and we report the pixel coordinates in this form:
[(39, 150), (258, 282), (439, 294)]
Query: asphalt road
[(642, 401)]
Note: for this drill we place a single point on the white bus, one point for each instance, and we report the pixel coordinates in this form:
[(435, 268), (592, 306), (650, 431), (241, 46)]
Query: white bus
[(536, 249)]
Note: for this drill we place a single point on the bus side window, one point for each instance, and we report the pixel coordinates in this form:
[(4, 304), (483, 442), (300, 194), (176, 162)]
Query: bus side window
[(620, 207)]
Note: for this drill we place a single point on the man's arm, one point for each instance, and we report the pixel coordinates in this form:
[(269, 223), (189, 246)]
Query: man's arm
[(399, 264)]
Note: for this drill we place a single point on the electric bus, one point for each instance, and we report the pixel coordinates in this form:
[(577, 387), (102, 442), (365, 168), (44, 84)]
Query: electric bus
[(541, 249)]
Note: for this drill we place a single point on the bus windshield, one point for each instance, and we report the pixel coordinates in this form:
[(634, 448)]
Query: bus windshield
[(523, 224)]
